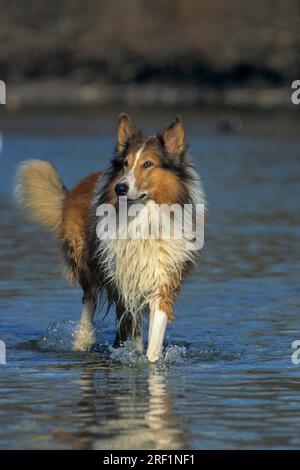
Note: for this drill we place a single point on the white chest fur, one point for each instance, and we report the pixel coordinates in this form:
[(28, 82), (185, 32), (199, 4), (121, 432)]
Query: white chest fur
[(138, 265)]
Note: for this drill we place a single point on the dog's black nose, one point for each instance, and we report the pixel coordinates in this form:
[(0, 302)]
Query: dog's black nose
[(121, 189)]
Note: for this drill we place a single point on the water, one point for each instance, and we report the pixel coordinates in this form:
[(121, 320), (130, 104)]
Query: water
[(226, 379)]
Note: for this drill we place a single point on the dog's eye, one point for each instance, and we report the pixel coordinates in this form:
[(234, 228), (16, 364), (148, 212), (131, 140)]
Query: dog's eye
[(125, 163), (147, 164)]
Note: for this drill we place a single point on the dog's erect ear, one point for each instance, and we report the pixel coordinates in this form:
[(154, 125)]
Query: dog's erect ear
[(173, 138), (126, 130)]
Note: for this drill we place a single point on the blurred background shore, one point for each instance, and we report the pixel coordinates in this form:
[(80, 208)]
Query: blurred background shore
[(232, 53)]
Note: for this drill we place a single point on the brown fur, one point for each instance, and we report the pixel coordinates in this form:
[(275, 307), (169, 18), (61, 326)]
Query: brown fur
[(74, 229), (164, 187)]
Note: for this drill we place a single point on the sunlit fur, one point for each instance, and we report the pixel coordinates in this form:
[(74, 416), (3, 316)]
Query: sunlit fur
[(40, 191), (145, 270), (132, 273)]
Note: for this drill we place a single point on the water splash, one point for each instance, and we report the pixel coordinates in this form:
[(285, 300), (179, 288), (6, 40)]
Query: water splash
[(59, 336), (175, 355), (128, 355)]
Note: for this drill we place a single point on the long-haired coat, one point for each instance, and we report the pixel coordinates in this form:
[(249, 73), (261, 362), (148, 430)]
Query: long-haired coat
[(136, 274)]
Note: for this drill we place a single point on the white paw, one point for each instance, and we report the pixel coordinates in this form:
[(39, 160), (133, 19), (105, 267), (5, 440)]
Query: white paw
[(84, 338), (153, 357)]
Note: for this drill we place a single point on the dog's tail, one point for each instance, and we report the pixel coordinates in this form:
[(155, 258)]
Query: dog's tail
[(40, 192)]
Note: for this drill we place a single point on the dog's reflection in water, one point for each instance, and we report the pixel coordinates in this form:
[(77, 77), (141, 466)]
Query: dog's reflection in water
[(128, 410)]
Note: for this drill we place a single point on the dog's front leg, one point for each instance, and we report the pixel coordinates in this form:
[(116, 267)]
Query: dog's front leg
[(157, 327), (85, 334)]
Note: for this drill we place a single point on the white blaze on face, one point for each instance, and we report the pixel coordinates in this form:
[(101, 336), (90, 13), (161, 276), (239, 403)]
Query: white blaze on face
[(129, 177)]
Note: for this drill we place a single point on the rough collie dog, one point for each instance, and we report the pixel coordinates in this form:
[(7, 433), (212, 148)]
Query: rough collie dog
[(139, 273)]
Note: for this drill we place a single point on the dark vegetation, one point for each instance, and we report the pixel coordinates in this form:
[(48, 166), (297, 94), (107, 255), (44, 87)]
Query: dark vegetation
[(219, 43)]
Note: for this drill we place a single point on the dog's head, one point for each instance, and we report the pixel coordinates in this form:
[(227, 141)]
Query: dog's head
[(150, 168)]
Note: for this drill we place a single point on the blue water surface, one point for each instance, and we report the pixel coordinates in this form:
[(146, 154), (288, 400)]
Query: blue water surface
[(226, 380)]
